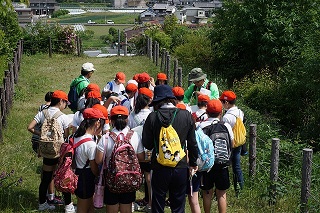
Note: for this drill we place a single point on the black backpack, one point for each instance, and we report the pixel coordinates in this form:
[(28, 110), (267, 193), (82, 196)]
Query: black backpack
[(73, 96), (222, 143)]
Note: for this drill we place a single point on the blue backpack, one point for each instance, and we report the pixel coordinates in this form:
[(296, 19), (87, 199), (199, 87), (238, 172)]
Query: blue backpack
[(206, 158)]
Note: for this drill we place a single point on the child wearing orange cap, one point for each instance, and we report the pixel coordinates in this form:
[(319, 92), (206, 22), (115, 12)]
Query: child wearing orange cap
[(161, 78), (86, 167), (218, 176), (228, 100), (200, 114), (59, 101), (118, 118), (125, 98), (179, 94), (116, 86), (144, 80)]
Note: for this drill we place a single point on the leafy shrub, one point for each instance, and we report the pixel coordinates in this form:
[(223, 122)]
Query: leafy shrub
[(86, 35), (59, 13), (36, 38)]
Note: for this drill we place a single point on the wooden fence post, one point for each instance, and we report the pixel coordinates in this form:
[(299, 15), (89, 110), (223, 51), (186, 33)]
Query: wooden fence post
[(10, 67), (306, 179), (154, 55), (119, 40), (274, 169), (50, 47), (3, 107), (9, 89), (252, 150), (21, 48), (163, 58), (15, 67), (6, 92), (167, 70), (180, 76), (157, 53), (78, 45), (125, 45), (175, 72)]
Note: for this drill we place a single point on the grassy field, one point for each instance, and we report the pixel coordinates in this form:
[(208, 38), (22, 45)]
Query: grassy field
[(40, 74), (99, 18)]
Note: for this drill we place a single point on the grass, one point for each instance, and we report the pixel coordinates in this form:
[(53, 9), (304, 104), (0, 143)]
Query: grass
[(99, 18), (40, 74)]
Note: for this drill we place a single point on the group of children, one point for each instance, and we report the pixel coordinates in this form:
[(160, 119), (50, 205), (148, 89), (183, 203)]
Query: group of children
[(119, 107)]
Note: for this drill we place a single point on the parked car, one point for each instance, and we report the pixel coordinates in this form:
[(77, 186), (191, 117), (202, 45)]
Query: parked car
[(110, 22), (91, 22)]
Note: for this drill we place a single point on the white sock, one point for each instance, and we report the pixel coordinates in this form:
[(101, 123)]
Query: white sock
[(51, 196)]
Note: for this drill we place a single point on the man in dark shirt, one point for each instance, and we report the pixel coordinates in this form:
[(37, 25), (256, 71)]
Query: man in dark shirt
[(165, 178)]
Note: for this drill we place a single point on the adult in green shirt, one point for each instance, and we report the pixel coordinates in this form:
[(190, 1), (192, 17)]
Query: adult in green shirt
[(199, 80)]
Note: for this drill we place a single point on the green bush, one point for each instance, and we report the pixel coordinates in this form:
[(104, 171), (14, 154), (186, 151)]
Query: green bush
[(59, 13), (86, 35)]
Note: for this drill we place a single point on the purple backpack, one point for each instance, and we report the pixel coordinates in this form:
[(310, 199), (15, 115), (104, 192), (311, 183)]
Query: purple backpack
[(123, 172)]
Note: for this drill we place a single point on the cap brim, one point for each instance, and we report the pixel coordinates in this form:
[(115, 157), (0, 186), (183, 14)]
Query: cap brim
[(204, 76), (122, 81)]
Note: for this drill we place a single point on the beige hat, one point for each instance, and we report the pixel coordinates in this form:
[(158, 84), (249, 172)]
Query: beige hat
[(196, 74), (88, 67)]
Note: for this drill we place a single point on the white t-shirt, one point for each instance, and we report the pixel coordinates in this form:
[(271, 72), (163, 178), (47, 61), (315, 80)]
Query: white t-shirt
[(230, 116), (115, 87), (135, 142), (63, 119), (209, 121), (135, 120), (201, 114), (84, 152)]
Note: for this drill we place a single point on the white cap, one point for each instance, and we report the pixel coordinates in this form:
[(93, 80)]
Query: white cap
[(88, 67), (131, 81)]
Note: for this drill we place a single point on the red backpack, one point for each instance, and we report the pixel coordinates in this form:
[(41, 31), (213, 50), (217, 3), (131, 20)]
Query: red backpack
[(123, 172), (65, 180)]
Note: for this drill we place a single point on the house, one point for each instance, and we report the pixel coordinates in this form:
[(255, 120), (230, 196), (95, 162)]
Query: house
[(180, 14), (195, 15), (147, 16), (23, 12), (163, 9), (43, 7), (208, 7)]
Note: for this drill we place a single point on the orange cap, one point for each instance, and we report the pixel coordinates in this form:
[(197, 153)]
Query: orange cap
[(146, 91), (228, 96), (181, 106), (143, 77), (178, 91), (121, 77), (131, 87), (214, 106), (136, 76), (93, 87), (202, 98), (162, 76), (94, 94), (103, 109), (60, 94), (92, 113), (119, 110)]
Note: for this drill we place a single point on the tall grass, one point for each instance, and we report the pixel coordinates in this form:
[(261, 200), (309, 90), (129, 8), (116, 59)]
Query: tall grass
[(40, 74)]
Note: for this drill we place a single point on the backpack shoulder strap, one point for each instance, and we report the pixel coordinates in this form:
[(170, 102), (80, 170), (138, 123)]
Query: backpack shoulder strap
[(46, 114), (208, 85), (113, 136), (110, 85), (81, 142), (57, 114), (129, 135)]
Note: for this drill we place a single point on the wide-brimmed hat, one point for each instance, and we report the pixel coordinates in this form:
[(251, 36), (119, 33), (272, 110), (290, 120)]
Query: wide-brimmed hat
[(162, 92), (196, 74)]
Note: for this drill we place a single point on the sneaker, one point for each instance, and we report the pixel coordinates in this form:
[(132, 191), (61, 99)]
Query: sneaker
[(46, 206), (55, 201), (147, 209), (70, 208)]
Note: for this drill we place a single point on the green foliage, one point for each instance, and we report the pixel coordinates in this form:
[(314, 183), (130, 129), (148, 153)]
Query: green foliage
[(170, 24), (59, 13), (86, 35), (155, 32), (36, 38)]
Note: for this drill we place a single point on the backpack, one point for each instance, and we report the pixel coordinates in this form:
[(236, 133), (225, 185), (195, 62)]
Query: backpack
[(239, 132), (65, 180), (219, 134), (51, 136), (170, 151), (205, 159), (123, 172), (73, 96)]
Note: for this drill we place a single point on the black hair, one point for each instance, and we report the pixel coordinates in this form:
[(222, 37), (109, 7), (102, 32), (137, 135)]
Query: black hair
[(90, 102), (119, 121), (48, 96), (213, 114), (87, 123), (145, 84), (180, 98), (202, 104), (54, 101), (232, 102), (85, 72), (157, 82), (158, 104), (141, 102)]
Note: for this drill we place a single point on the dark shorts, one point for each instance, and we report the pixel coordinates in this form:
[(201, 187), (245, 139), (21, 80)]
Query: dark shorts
[(196, 181), (145, 166), (35, 145), (122, 198), (216, 177), (86, 183), (50, 162)]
